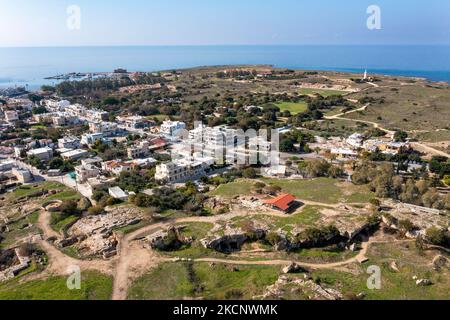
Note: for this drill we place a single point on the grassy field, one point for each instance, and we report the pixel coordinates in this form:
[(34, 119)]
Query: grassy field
[(320, 190), (17, 230), (323, 92), (433, 136), (201, 280), (293, 107), (337, 128), (408, 108), (324, 190), (65, 193), (94, 286), (233, 189), (394, 285)]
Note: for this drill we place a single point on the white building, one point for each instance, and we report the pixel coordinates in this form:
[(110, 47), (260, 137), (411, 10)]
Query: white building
[(182, 170), (11, 116), (89, 139), (55, 105), (85, 172), (45, 153), (142, 150), (355, 140), (6, 164), (133, 122), (170, 128), (117, 167), (69, 143), (118, 193), (106, 128), (75, 154), (23, 175)]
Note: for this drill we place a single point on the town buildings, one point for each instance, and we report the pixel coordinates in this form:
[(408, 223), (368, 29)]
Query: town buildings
[(44, 153), (170, 128)]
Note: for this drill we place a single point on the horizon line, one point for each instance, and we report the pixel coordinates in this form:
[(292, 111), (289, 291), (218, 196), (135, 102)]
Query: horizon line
[(227, 45)]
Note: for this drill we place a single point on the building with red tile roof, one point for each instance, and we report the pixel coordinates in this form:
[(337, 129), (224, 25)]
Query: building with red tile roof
[(285, 202)]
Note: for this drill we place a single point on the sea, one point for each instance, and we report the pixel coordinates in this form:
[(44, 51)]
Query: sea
[(28, 67)]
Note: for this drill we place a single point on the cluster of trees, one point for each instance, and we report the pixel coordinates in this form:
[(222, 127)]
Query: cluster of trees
[(440, 166), (136, 180), (162, 199), (109, 152), (71, 208), (320, 168), (317, 104), (319, 237), (293, 137), (383, 180), (230, 176), (86, 87)]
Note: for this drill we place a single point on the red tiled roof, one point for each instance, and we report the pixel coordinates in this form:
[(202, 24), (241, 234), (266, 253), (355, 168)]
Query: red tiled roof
[(282, 202)]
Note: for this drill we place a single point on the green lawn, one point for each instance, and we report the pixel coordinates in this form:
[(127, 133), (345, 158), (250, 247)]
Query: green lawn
[(94, 286), (201, 280), (323, 92), (233, 189), (322, 190), (293, 107), (59, 221)]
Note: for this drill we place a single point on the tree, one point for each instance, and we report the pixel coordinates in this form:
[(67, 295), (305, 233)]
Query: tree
[(69, 207), (286, 145), (400, 136), (317, 168), (406, 225), (249, 173)]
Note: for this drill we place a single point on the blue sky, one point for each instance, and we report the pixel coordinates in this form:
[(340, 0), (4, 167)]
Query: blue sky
[(211, 22)]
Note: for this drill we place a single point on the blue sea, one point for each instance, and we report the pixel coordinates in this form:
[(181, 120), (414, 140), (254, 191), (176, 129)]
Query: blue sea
[(29, 66)]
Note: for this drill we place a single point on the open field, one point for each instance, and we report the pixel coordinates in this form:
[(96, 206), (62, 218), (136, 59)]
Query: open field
[(408, 107), (293, 107), (323, 92), (233, 189), (323, 190), (94, 286), (203, 280), (394, 285)]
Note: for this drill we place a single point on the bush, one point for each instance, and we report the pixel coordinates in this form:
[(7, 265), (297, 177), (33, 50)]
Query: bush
[(406, 225), (234, 294), (69, 207), (95, 211), (438, 237)]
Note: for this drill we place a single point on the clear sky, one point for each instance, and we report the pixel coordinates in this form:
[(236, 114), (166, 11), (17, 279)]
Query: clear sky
[(210, 22)]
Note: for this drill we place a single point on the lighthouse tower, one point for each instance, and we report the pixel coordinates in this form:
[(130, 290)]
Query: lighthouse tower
[(365, 75)]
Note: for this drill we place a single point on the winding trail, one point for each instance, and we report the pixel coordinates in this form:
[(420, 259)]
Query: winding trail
[(138, 259), (58, 262), (416, 145)]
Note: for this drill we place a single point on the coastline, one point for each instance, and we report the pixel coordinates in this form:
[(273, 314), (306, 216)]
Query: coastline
[(29, 66)]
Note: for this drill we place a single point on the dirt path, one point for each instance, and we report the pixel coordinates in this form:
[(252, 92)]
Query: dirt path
[(416, 145), (360, 257), (44, 224), (338, 116), (59, 262), (134, 260), (427, 149)]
